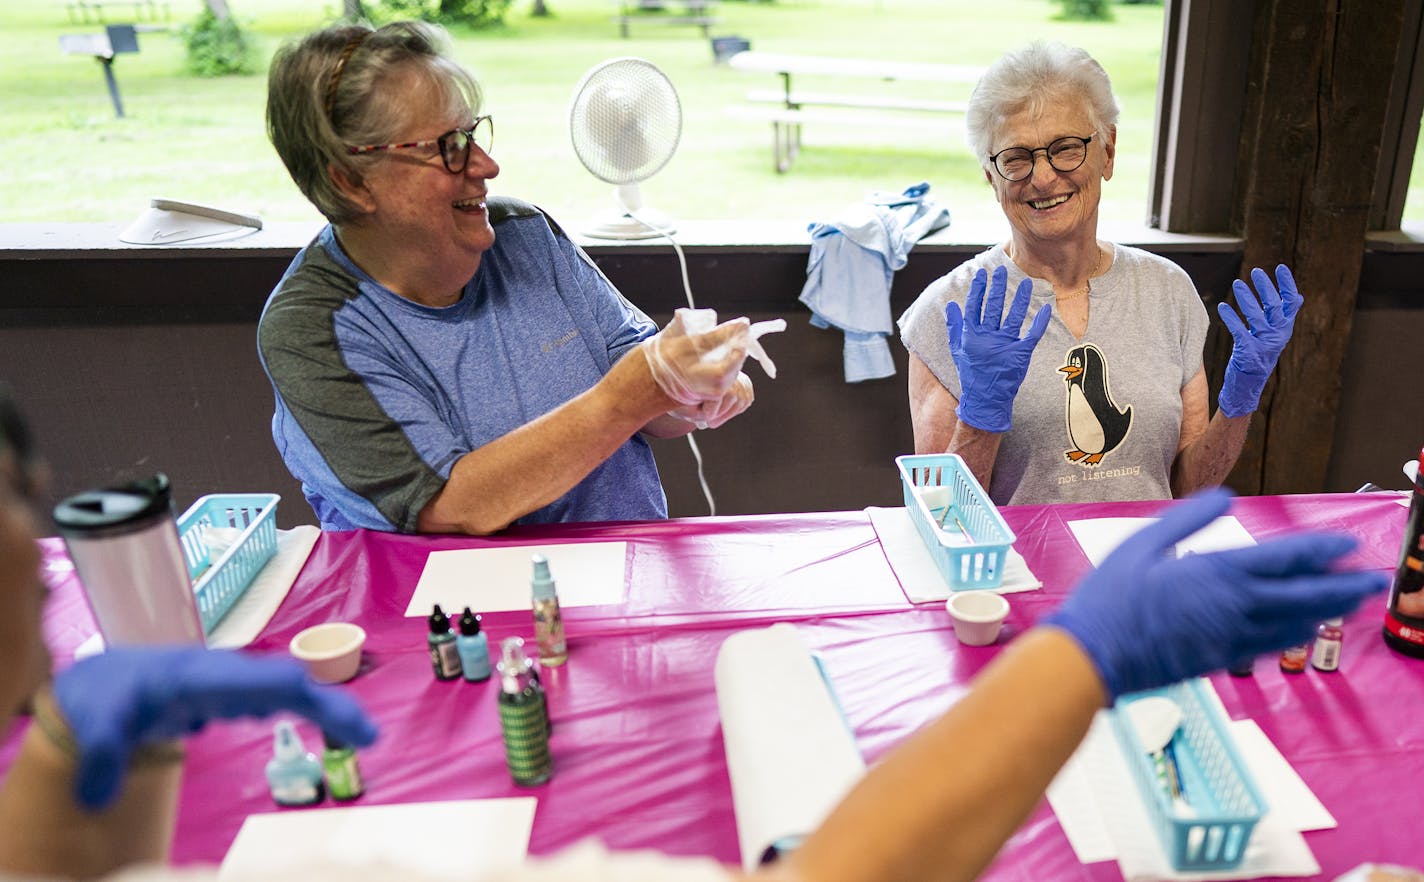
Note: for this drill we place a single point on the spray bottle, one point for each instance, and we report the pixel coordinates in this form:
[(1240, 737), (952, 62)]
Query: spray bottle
[(521, 718), (548, 619)]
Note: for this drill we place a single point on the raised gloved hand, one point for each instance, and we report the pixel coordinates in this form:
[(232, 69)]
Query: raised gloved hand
[(1147, 618), (127, 697), (693, 364), (711, 414), (991, 357), (1256, 344)]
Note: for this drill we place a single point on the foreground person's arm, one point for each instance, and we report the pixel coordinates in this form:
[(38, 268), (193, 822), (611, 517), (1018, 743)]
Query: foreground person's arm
[(941, 805), (45, 832), (95, 785)]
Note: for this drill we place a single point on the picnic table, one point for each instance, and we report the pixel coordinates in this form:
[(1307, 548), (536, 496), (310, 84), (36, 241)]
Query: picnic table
[(695, 12), (116, 40), (86, 11), (789, 107)]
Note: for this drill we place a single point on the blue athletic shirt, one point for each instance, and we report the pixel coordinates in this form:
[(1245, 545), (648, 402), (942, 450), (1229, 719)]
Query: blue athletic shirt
[(377, 396)]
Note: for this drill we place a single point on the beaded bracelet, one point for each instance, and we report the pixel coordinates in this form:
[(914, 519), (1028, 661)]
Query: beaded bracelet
[(51, 722)]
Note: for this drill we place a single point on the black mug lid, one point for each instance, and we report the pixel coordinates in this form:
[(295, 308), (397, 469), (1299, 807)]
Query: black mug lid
[(114, 508)]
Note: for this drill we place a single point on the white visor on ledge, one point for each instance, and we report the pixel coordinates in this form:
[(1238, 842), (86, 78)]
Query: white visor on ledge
[(169, 222)]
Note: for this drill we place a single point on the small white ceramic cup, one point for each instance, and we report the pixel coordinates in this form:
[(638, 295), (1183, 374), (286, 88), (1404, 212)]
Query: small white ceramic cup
[(331, 651), (977, 615)]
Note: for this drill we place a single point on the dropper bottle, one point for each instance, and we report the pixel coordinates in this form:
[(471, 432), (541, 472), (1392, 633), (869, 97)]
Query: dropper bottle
[(444, 654), (548, 619), (521, 718), (293, 773)]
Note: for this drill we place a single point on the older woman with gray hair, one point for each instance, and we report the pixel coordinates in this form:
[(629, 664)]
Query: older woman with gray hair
[(1104, 395), (445, 360)]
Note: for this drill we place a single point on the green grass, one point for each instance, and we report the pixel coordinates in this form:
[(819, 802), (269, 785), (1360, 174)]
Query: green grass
[(69, 159)]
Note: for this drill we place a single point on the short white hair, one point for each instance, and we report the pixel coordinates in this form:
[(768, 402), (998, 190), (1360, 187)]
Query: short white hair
[(1027, 80)]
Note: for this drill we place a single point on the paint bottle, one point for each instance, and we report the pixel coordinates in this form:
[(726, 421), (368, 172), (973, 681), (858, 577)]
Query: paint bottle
[(1404, 618), (1294, 658), (444, 655), (293, 773), (473, 647), (548, 619), (1243, 668), (521, 718), (531, 668), (1328, 639), (343, 773)]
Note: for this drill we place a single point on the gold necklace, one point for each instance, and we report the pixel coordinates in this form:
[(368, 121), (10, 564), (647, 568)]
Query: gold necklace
[(1088, 285)]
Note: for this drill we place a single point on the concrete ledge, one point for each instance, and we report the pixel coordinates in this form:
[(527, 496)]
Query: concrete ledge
[(284, 238)]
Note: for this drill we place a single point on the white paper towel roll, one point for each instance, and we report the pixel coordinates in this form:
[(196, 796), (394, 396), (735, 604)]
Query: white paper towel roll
[(790, 755)]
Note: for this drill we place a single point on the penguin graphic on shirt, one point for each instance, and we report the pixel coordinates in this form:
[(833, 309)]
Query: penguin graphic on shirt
[(1096, 426)]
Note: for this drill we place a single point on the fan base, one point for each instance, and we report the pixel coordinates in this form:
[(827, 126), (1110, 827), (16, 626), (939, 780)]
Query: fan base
[(621, 225)]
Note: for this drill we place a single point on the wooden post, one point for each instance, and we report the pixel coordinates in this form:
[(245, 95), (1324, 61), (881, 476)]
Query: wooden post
[(1317, 97)]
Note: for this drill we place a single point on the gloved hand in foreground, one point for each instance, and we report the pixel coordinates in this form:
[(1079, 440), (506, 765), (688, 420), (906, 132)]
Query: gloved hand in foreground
[(1147, 618), (692, 364), (991, 357), (1256, 344), (131, 696)]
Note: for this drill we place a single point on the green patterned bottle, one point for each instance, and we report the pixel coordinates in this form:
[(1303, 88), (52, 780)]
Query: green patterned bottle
[(522, 719)]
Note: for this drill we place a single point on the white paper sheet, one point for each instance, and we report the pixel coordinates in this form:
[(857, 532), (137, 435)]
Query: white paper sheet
[(911, 562), (1103, 817), (790, 755), (1099, 536), (415, 837), (269, 588), (497, 579)]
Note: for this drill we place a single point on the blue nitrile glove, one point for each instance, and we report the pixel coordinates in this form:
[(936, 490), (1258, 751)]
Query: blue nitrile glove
[(1256, 344), (991, 357), (134, 695), (1147, 618)]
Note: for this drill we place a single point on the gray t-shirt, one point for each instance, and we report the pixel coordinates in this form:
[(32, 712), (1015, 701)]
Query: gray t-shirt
[(1107, 427)]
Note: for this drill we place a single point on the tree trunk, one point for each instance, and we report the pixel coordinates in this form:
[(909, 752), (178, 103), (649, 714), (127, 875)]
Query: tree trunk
[(352, 11), (539, 10), (218, 8)]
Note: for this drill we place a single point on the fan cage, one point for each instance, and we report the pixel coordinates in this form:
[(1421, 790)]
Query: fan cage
[(625, 120)]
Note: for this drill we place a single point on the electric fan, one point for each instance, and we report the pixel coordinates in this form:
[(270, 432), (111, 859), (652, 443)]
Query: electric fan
[(625, 121)]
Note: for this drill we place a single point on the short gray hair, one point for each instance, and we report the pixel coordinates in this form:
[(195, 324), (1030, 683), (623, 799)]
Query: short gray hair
[(331, 90), (1027, 80)]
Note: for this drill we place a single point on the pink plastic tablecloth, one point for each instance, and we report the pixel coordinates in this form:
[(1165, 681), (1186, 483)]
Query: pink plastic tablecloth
[(638, 748)]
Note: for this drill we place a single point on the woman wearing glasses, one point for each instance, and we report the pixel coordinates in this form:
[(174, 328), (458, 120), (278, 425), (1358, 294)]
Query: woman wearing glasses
[(445, 360), (1103, 395)]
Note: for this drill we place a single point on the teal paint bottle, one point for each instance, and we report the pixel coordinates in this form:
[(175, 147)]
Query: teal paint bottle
[(293, 773), (473, 647), (444, 655), (522, 719)]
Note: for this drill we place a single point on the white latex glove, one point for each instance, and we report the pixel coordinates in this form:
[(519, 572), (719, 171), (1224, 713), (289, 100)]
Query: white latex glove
[(692, 360), (711, 414)]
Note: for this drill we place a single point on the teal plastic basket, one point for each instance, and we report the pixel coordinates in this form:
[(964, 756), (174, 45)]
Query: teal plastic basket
[(1215, 782), (963, 530), (251, 521)]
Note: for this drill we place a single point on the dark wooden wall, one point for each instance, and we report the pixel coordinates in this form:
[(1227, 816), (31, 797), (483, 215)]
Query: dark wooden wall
[(128, 365)]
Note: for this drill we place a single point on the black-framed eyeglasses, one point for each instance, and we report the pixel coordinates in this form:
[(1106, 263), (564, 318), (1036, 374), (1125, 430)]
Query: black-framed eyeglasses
[(1063, 154), (454, 145)]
